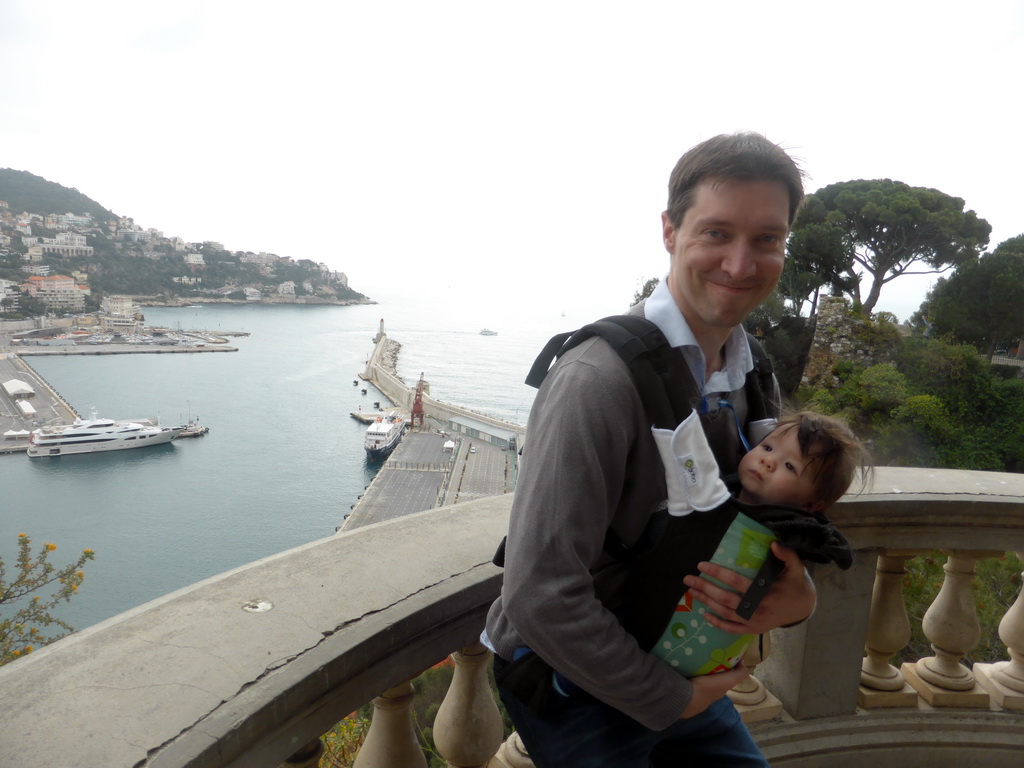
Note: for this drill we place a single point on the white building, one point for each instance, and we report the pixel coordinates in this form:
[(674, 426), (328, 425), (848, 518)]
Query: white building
[(120, 313), (263, 259), (64, 244), (74, 220), (9, 295), (57, 292), (122, 306), (17, 389)]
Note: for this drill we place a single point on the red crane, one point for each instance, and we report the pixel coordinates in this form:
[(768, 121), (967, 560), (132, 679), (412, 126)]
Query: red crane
[(417, 404)]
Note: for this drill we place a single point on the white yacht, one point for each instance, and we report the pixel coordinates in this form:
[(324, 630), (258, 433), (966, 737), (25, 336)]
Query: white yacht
[(95, 434), (383, 435)]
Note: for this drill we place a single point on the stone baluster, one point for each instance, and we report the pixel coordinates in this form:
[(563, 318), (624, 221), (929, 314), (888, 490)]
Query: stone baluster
[(951, 626), (391, 741), (468, 728), (753, 701), (511, 754), (882, 685), (1004, 680)]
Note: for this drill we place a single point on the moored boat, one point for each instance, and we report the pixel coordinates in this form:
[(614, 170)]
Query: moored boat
[(193, 429), (95, 434), (383, 435)]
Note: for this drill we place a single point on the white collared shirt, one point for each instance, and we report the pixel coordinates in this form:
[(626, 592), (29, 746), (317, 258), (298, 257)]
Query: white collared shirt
[(661, 309)]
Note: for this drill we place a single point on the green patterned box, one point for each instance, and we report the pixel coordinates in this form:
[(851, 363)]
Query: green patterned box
[(689, 643)]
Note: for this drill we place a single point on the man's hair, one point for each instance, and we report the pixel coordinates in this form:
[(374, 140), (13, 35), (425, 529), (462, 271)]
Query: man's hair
[(732, 157), (830, 450)]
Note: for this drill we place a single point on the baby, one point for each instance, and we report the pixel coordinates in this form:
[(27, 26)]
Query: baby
[(808, 461), (803, 466)]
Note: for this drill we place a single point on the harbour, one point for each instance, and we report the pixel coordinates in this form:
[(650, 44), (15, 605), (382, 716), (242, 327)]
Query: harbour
[(284, 462)]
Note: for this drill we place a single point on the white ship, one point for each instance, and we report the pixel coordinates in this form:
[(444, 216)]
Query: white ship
[(383, 435), (95, 434)]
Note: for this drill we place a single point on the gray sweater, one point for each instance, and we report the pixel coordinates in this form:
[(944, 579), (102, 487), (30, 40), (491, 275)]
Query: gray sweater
[(589, 459)]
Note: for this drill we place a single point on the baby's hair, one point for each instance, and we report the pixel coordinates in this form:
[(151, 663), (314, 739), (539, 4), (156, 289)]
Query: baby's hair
[(831, 451)]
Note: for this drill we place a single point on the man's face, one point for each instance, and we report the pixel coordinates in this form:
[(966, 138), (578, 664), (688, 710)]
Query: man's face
[(775, 472), (727, 253)]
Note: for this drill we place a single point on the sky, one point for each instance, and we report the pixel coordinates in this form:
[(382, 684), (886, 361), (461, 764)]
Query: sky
[(511, 155)]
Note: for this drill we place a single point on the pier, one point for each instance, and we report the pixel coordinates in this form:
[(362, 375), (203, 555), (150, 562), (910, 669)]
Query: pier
[(46, 403), (481, 459), (118, 349)]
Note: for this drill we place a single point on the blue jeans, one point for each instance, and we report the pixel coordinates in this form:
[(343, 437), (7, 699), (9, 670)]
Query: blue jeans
[(580, 731)]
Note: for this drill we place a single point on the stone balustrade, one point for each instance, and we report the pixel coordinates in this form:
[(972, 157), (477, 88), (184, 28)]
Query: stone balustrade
[(250, 667)]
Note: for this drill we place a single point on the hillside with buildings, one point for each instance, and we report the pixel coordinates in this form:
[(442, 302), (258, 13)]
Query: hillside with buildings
[(62, 253)]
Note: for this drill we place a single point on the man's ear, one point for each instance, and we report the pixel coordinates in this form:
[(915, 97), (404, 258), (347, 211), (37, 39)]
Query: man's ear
[(668, 232), (815, 506)]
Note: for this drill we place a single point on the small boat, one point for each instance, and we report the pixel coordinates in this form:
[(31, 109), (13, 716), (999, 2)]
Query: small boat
[(486, 332), (193, 429), (383, 435), (94, 435)]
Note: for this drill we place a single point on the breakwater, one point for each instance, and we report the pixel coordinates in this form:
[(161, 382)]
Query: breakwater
[(380, 371)]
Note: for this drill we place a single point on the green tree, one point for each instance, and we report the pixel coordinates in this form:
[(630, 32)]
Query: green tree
[(892, 229), (938, 405), (30, 306), (646, 290), (32, 624), (817, 255), (788, 342), (981, 303)]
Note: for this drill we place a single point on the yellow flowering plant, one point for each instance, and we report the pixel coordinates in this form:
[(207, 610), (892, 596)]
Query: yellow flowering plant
[(31, 624)]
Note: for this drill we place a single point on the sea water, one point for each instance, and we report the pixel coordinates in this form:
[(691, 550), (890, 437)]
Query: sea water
[(284, 460)]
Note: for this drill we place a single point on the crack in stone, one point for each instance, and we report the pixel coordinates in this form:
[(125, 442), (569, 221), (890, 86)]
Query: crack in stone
[(277, 664)]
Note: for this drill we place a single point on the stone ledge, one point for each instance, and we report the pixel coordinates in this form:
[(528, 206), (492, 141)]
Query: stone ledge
[(919, 738), (193, 679)]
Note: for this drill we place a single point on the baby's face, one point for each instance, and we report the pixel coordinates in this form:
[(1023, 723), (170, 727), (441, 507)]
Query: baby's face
[(774, 472)]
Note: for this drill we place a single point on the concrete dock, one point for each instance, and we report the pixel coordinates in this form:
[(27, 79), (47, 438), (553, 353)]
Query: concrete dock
[(47, 403), (421, 475)]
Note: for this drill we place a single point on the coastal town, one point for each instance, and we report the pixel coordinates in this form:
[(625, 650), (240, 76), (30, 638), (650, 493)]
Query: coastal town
[(65, 263)]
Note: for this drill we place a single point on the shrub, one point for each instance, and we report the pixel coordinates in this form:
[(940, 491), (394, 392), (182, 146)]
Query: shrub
[(32, 624)]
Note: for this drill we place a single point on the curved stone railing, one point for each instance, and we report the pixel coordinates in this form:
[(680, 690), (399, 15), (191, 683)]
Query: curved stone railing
[(250, 667), (833, 670), (247, 668)]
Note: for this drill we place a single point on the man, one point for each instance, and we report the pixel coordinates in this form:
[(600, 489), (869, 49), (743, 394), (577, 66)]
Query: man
[(591, 464)]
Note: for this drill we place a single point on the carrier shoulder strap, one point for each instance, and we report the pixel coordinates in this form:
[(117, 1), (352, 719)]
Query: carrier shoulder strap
[(760, 384), (666, 387), (658, 370)]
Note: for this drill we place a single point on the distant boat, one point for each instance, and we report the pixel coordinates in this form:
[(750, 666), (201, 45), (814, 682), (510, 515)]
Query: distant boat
[(486, 332)]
